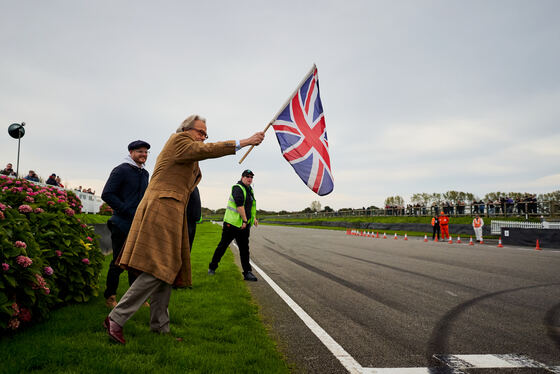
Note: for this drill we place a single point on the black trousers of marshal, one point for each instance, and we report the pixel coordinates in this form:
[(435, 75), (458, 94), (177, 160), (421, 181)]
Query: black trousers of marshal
[(118, 238), (436, 232), (229, 233)]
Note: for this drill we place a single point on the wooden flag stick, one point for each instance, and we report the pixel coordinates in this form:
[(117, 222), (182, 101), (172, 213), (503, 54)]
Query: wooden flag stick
[(282, 108)]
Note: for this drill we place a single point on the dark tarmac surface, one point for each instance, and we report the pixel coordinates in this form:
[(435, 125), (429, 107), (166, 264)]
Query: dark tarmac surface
[(397, 304)]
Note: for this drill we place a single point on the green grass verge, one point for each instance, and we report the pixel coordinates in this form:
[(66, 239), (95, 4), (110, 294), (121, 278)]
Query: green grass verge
[(217, 318), (90, 219)]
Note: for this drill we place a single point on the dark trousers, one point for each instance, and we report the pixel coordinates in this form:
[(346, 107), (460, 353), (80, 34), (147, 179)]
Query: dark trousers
[(229, 233), (436, 232), (118, 238), (193, 214)]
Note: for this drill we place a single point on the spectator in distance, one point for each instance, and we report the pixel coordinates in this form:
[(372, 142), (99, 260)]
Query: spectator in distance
[(52, 180), (32, 176), (9, 171)]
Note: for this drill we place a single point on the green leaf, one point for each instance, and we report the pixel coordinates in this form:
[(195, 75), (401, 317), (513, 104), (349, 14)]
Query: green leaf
[(11, 280)]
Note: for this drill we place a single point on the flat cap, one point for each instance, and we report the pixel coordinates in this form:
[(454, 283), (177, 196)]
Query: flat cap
[(138, 144)]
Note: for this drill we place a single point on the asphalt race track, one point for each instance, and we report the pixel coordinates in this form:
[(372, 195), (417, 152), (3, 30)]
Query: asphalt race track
[(397, 306)]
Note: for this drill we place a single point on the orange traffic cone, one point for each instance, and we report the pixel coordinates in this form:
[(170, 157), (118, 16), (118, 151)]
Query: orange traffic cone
[(500, 243), (537, 248), (405, 237), (377, 235), (481, 240), (436, 239), (450, 240), (470, 242), (384, 236), (395, 236), (458, 239), (348, 232), (425, 238)]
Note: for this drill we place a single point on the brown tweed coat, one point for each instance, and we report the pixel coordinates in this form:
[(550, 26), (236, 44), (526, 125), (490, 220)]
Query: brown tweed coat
[(158, 242)]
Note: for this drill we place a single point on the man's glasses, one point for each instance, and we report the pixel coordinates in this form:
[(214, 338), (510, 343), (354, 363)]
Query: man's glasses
[(201, 132)]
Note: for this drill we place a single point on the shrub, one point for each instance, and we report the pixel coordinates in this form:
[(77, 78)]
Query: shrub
[(48, 257), (105, 210)]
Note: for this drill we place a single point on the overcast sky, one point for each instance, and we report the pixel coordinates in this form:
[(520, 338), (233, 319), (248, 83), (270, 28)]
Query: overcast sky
[(418, 96)]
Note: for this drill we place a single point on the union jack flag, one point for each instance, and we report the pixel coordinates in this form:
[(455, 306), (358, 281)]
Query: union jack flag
[(302, 135)]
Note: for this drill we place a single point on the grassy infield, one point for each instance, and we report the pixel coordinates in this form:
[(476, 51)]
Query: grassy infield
[(217, 318)]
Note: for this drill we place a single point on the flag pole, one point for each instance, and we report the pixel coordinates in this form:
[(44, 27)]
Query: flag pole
[(282, 108)]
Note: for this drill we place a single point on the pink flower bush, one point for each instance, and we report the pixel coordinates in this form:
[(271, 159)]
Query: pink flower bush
[(29, 199), (13, 324), (20, 244), (69, 212), (38, 210), (48, 270), (25, 209), (25, 315), (85, 261), (5, 267), (41, 284), (24, 261)]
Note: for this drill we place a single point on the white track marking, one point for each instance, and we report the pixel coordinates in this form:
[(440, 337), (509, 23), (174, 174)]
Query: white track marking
[(451, 293)]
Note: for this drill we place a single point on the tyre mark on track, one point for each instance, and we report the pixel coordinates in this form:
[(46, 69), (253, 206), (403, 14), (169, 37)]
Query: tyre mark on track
[(343, 282), (446, 281)]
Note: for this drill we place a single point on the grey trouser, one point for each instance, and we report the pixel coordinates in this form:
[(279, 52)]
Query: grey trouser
[(144, 287)]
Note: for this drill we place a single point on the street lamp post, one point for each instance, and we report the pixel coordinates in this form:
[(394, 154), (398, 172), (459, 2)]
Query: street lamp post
[(17, 131)]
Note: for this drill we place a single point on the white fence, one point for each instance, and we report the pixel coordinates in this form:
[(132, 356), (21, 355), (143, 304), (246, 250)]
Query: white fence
[(496, 226), (90, 203)]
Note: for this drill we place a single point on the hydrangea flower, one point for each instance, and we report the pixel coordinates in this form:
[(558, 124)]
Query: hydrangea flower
[(1, 215), (5, 266), (25, 209), (58, 253), (48, 270), (25, 315), (89, 238), (13, 324), (85, 261), (38, 210), (20, 244), (24, 261), (69, 212), (29, 199)]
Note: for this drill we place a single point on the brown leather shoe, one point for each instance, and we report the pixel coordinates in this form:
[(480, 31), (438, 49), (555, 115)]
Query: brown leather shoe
[(114, 330), (111, 301)]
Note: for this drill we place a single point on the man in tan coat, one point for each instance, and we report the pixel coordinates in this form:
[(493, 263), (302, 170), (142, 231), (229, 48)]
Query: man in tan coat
[(158, 243)]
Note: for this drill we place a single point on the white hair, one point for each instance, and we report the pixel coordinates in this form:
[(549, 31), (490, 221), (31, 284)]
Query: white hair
[(189, 122)]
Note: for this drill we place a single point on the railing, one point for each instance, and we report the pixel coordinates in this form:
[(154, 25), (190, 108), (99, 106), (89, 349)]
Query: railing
[(524, 210), (496, 226)]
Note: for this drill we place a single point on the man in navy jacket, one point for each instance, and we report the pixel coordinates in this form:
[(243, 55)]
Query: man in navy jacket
[(123, 192)]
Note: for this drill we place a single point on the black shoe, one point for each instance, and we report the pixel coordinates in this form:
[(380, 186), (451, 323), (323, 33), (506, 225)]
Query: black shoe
[(211, 272), (248, 276)]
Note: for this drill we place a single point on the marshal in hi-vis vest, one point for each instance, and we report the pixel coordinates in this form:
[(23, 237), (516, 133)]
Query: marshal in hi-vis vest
[(232, 216)]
